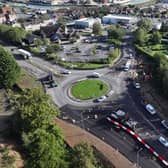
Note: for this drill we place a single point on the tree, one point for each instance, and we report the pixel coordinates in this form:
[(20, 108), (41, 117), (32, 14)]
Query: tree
[(83, 157), (34, 110), (56, 47), (156, 37), (116, 32), (140, 36), (164, 27), (145, 23), (38, 42), (9, 69), (46, 148), (97, 28), (15, 35)]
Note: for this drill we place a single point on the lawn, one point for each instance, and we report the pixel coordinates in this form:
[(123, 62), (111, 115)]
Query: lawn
[(79, 65), (89, 89)]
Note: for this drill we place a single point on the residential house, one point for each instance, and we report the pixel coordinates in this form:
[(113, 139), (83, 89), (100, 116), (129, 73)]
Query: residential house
[(7, 15)]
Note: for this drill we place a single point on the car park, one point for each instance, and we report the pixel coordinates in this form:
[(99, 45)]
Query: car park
[(150, 109), (101, 98), (163, 141), (165, 123)]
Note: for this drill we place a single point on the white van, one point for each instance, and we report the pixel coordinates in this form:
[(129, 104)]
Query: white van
[(25, 53)]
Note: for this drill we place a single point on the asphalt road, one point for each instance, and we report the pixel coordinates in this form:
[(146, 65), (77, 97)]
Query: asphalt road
[(124, 96)]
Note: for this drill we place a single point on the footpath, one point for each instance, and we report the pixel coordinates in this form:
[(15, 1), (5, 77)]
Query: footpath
[(74, 135)]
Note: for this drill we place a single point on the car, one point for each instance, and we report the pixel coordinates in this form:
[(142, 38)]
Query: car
[(165, 123), (119, 115), (130, 56), (95, 75), (66, 72), (101, 98), (150, 109), (130, 124), (163, 141), (137, 85), (53, 84)]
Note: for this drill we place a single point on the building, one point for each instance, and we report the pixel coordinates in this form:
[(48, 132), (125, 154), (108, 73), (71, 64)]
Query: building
[(7, 15), (120, 1), (114, 19), (46, 2), (86, 22)]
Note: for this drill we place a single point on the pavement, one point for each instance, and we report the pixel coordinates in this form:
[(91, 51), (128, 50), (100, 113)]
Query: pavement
[(74, 135)]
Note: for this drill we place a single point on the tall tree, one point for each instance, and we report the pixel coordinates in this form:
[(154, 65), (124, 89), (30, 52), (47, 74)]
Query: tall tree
[(97, 30), (140, 36), (145, 23), (46, 148), (83, 157), (34, 110), (15, 35), (116, 32), (9, 69), (156, 37)]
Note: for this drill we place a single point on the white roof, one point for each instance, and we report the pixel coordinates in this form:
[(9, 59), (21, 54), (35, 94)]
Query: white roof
[(119, 17), (87, 19)]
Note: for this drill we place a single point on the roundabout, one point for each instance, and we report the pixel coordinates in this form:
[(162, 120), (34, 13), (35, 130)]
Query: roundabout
[(89, 89)]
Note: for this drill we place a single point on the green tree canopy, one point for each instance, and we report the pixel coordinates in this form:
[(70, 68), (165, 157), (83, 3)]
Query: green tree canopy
[(46, 148), (116, 32), (83, 157), (34, 109), (140, 36), (156, 37), (145, 23), (15, 35), (9, 69), (97, 30)]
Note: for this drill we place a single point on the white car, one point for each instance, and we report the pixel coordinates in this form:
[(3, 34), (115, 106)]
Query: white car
[(150, 109), (95, 75), (165, 123), (66, 72), (137, 85), (163, 141), (101, 98)]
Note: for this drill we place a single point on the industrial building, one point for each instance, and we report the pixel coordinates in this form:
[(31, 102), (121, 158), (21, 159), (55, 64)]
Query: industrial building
[(86, 22), (114, 19), (120, 1)]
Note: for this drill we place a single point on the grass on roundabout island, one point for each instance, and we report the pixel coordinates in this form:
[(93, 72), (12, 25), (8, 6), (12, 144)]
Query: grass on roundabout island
[(89, 89)]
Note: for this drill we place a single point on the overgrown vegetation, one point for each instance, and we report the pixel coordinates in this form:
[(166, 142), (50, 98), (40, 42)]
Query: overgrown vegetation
[(9, 69), (12, 35), (149, 43)]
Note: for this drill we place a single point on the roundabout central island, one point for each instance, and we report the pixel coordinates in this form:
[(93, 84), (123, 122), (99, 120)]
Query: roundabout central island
[(87, 89)]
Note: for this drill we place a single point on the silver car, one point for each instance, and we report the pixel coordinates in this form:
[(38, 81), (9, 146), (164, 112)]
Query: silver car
[(165, 123), (163, 141)]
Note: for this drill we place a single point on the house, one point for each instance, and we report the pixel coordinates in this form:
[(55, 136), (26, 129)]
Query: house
[(7, 15), (29, 39)]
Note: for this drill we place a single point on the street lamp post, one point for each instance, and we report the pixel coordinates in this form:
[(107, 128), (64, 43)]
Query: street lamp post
[(138, 157)]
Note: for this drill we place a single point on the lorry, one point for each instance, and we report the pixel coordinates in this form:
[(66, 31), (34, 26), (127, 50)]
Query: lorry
[(24, 53)]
